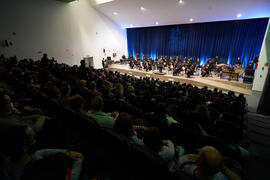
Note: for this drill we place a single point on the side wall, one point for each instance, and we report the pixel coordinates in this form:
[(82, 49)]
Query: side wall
[(261, 72), (67, 31)]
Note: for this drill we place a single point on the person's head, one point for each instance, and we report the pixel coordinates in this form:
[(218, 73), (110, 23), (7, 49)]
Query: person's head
[(18, 140), (130, 89), (217, 101), (119, 86), (209, 161), (52, 90), (118, 93), (97, 103), (77, 101), (82, 63), (124, 125), (92, 85), (5, 103), (153, 141), (45, 55), (203, 110), (107, 91), (82, 83), (235, 106)]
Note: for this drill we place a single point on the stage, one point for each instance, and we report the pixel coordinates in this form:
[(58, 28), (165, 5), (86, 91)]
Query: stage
[(195, 80)]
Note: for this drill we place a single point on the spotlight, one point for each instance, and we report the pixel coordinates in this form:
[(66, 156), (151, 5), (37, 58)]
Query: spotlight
[(157, 23), (115, 13), (239, 15), (181, 1), (143, 9), (191, 20)]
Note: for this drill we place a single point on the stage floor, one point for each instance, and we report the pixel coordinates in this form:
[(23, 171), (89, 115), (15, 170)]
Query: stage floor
[(196, 80)]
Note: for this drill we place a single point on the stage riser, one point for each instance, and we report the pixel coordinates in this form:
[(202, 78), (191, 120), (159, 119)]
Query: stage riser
[(163, 78), (201, 83), (233, 83)]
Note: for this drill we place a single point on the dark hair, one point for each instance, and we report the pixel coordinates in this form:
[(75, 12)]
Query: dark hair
[(124, 124), (77, 101), (92, 85), (153, 141)]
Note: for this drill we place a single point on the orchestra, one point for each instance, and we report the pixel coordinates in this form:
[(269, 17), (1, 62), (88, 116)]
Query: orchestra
[(187, 67)]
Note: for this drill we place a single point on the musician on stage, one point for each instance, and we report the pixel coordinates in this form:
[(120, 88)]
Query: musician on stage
[(216, 60), (238, 61), (170, 66), (131, 63), (198, 64), (160, 64), (208, 67), (145, 64), (212, 64), (176, 61), (190, 70), (185, 61)]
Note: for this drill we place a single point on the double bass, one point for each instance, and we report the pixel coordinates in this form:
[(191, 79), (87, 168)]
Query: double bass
[(205, 70)]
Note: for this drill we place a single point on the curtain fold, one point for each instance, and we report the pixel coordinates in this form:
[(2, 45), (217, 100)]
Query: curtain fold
[(227, 39)]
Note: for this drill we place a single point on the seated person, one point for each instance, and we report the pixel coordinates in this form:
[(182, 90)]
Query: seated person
[(103, 119), (164, 148), (18, 144), (77, 102), (10, 116), (124, 126), (207, 165), (92, 89)]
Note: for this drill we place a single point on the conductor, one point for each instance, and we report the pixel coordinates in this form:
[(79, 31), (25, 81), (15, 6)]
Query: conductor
[(160, 65)]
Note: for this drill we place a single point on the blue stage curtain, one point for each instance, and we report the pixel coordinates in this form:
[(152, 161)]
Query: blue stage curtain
[(226, 39)]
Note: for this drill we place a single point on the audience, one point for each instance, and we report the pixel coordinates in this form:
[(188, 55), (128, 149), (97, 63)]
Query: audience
[(149, 109)]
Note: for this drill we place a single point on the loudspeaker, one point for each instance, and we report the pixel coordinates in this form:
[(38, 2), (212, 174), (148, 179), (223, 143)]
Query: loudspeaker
[(6, 43), (256, 60), (248, 79), (250, 72)]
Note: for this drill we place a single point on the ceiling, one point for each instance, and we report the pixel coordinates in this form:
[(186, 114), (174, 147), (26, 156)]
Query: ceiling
[(128, 13)]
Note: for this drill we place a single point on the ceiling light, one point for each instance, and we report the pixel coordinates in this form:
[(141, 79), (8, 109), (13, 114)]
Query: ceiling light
[(103, 1), (157, 23), (239, 15), (115, 13), (143, 9), (181, 1), (191, 19)]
